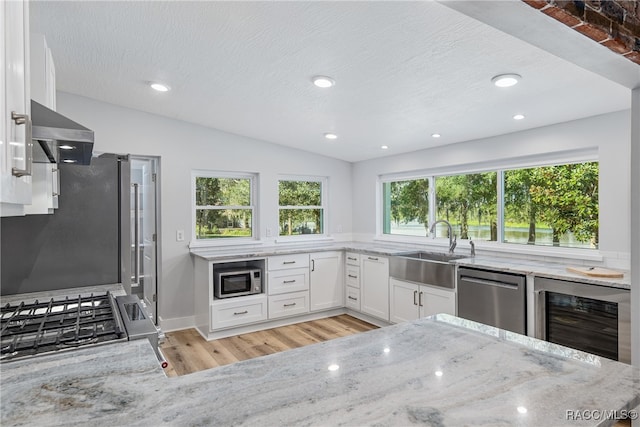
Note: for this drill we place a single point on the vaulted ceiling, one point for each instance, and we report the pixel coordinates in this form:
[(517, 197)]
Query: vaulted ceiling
[(403, 70)]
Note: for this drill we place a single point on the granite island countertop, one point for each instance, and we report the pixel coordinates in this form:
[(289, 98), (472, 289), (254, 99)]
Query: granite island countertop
[(441, 370)]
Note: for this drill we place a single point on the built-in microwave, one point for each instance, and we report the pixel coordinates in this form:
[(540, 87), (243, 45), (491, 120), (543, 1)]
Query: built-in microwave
[(234, 282)]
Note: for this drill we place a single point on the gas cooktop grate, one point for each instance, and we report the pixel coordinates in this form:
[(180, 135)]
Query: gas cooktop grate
[(57, 324)]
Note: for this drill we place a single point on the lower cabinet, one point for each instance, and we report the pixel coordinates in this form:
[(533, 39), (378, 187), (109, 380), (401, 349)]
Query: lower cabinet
[(353, 298), (238, 311), (288, 304), (410, 301), (374, 286), (326, 286)]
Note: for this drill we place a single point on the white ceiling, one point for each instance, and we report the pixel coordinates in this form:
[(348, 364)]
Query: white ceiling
[(403, 71)]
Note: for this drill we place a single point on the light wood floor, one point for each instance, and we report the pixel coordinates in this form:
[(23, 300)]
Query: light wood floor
[(187, 352)]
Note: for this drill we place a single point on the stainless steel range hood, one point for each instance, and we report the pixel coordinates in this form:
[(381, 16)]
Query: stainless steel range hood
[(59, 138)]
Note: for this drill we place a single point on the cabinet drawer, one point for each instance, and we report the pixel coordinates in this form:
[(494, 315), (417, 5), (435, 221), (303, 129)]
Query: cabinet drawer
[(281, 262), (288, 304), (352, 258), (352, 276), (283, 281), (353, 298), (234, 313)]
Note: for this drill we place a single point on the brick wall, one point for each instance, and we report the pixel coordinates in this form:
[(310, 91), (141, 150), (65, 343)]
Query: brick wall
[(612, 23)]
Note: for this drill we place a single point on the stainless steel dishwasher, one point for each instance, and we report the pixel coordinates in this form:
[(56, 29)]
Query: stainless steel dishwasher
[(493, 298)]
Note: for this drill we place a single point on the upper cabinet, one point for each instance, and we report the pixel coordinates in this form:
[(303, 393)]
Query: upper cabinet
[(45, 177), (43, 72), (15, 135)]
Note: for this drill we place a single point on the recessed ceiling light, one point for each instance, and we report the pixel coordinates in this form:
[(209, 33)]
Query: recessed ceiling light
[(521, 409), (506, 80), (69, 161), (518, 117), (159, 87), (334, 367), (323, 81), (384, 147), (330, 135), (66, 147), (435, 135)]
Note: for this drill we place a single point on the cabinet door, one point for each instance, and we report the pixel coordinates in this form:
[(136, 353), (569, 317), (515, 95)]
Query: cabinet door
[(374, 284), (15, 154), (403, 301), (326, 288), (434, 301)]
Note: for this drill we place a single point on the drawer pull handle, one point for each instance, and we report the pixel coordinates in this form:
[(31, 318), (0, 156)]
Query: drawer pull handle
[(288, 262), (352, 298), (290, 305), (352, 276), (242, 312), (373, 258), (289, 281), (352, 259), (415, 294)]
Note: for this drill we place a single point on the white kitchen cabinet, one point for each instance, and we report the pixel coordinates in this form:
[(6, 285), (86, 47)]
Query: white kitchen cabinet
[(16, 145), (288, 304), (353, 298), (43, 72), (374, 286), (411, 301), (284, 281), (45, 178), (283, 262), (45, 182), (238, 311), (326, 280)]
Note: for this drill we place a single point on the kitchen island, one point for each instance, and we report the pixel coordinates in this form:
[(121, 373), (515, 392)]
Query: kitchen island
[(441, 370)]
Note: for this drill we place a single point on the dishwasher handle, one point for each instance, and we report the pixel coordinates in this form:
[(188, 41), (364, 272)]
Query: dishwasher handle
[(495, 283)]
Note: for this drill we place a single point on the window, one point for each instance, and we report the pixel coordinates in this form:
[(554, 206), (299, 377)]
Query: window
[(406, 207), (554, 205), (301, 206), (224, 205), (469, 203)]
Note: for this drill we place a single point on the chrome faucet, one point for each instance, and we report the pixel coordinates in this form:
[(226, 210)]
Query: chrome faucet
[(473, 248), (452, 237)]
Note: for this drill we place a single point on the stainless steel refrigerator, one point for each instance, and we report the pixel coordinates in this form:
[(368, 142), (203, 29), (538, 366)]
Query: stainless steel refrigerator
[(87, 241)]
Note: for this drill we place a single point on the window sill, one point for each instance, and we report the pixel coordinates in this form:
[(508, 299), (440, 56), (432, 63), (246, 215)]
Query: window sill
[(500, 249), (211, 244), (302, 240)]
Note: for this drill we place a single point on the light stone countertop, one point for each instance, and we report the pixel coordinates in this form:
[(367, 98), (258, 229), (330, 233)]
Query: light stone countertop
[(486, 374), (508, 264), (543, 269)]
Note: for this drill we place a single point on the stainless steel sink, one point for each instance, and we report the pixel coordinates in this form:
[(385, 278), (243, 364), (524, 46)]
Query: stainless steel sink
[(429, 268), (431, 256)]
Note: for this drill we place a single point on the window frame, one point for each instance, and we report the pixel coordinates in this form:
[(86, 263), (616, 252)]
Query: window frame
[(324, 183), (253, 206), (500, 166)]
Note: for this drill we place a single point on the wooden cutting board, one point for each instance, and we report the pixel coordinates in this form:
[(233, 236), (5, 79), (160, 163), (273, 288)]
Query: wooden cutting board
[(596, 272)]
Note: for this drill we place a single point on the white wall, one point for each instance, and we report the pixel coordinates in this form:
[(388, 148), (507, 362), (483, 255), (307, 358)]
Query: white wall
[(183, 147), (609, 133)]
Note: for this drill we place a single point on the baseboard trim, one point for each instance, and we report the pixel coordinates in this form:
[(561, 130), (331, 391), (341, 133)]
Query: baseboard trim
[(269, 324), (176, 324)]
